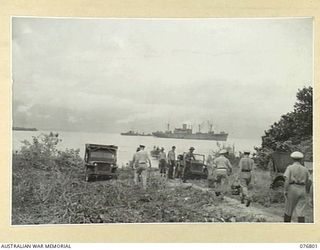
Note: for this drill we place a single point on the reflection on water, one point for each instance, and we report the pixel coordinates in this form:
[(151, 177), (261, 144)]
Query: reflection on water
[(128, 144)]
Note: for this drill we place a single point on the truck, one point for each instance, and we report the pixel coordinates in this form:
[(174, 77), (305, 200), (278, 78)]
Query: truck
[(277, 165), (100, 161)]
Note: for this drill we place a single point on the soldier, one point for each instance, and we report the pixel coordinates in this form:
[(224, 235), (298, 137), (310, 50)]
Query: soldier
[(222, 170), (179, 167), (162, 163), (209, 162), (245, 173), (140, 163), (210, 167), (296, 178), (188, 158), (171, 162), (134, 158)]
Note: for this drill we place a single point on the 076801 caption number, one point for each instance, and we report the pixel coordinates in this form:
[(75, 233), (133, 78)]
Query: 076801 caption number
[(308, 246)]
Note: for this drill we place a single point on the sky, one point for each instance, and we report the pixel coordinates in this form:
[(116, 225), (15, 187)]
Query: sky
[(115, 75)]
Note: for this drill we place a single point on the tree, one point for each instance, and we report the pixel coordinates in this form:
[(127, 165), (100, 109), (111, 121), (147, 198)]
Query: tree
[(293, 131), (295, 126)]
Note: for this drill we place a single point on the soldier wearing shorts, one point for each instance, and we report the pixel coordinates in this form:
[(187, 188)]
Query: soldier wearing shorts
[(178, 172), (162, 163), (245, 167), (222, 170), (296, 178), (171, 162), (140, 164)]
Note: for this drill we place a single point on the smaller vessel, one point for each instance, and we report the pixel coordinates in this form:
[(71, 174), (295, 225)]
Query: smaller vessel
[(132, 133)]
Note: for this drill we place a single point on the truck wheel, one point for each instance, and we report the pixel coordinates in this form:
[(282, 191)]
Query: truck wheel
[(278, 184)]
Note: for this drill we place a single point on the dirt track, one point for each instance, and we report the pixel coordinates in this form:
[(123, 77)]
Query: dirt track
[(231, 206)]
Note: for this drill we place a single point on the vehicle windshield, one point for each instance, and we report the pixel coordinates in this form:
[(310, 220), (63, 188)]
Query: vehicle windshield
[(101, 155), (199, 157)]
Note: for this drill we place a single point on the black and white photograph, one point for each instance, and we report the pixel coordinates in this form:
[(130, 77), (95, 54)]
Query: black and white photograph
[(162, 120)]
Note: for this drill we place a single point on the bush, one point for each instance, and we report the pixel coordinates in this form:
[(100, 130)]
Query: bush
[(292, 132), (40, 172)]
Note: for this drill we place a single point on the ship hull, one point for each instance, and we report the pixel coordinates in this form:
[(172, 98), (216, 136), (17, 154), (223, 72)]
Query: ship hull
[(129, 134), (199, 136)]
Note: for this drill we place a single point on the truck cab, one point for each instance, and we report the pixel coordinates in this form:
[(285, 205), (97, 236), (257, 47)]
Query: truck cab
[(100, 161)]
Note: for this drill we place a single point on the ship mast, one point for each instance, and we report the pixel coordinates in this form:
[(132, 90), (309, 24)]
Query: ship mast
[(210, 126)]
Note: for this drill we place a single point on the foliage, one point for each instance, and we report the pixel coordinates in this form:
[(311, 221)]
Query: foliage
[(40, 170), (41, 152), (262, 157), (292, 132), (49, 188)]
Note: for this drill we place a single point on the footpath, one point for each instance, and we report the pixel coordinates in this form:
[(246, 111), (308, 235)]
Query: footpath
[(231, 206)]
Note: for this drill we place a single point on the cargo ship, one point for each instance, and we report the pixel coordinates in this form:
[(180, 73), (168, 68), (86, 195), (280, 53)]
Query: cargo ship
[(186, 133), (132, 133)]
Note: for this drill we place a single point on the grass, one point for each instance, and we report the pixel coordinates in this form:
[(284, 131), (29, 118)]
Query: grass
[(48, 187)]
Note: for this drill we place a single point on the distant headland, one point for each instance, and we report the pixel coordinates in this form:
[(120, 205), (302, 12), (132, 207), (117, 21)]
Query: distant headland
[(24, 129)]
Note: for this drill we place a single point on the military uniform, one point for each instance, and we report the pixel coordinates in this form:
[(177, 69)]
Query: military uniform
[(141, 159), (211, 178), (162, 163), (188, 158), (178, 173), (222, 170), (245, 167), (296, 176), (171, 163)]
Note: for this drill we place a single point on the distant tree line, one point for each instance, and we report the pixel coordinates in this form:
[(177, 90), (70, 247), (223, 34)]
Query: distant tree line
[(292, 132), (24, 129)]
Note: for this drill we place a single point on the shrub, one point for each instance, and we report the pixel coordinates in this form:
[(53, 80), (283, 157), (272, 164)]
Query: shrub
[(40, 171), (292, 132)]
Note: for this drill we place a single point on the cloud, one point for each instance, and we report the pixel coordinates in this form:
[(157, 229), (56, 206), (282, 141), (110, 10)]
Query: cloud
[(240, 73)]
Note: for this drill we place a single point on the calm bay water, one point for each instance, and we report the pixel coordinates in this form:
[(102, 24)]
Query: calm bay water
[(128, 144)]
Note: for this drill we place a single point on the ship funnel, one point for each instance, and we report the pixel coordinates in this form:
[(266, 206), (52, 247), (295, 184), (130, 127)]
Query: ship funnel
[(184, 126)]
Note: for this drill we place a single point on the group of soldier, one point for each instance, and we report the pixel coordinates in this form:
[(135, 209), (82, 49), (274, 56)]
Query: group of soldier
[(170, 167), (296, 175), (173, 164), (166, 162), (222, 169)]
